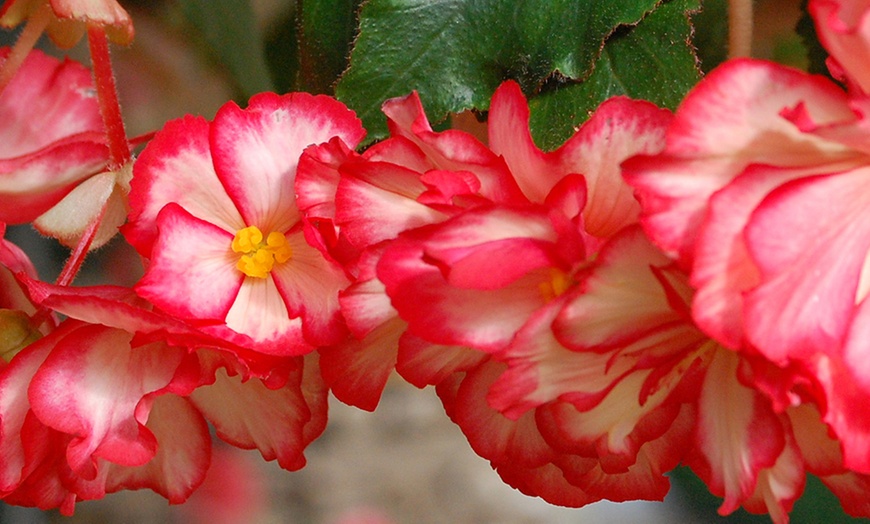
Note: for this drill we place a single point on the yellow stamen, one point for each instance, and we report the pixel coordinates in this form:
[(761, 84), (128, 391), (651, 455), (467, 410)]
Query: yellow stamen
[(258, 257), (558, 284)]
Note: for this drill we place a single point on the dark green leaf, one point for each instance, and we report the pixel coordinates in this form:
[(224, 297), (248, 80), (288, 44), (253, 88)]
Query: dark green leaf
[(328, 29), (711, 33), (229, 31), (456, 52), (652, 61)]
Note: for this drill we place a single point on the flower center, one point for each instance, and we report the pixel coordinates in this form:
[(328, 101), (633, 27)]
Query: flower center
[(559, 283), (259, 257)]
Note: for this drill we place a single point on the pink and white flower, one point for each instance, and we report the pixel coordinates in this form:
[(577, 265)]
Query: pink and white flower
[(214, 211), (761, 192), (358, 204), (65, 440)]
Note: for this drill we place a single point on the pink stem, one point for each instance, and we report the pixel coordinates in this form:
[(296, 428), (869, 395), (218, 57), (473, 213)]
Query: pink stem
[(36, 24)]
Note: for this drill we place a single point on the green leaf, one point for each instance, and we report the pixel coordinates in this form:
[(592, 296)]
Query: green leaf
[(652, 61), (711, 33), (229, 32), (456, 52), (328, 29)]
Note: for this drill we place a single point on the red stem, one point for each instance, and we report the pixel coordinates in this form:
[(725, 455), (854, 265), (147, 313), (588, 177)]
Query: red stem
[(110, 109), (77, 257), (119, 149)]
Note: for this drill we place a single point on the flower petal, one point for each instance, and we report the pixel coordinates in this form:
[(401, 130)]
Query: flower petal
[(192, 272), (177, 167), (727, 122), (249, 415), (42, 159), (67, 394), (182, 459), (619, 128), (452, 150), (729, 456), (416, 269), (256, 150), (798, 242), (844, 30)]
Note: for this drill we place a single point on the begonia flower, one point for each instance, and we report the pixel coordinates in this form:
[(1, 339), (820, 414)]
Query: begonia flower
[(44, 158), (66, 440), (214, 211), (356, 204), (558, 337), (761, 194)]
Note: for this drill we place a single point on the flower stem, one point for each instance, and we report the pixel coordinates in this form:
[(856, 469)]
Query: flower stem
[(77, 257), (36, 24), (107, 93), (739, 28), (119, 148)]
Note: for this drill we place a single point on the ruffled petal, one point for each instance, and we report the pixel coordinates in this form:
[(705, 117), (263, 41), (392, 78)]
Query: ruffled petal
[(620, 128), (41, 161), (14, 407), (249, 415), (67, 394), (727, 122), (729, 456), (377, 201), (844, 30), (438, 266), (452, 150), (180, 464), (808, 253)]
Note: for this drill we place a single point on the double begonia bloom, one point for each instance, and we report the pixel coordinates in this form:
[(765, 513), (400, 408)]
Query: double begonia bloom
[(67, 20), (479, 259), (358, 204), (558, 337), (503, 282), (214, 211), (761, 192)]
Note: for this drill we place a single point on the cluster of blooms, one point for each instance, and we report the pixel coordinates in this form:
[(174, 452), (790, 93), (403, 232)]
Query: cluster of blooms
[(585, 340)]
